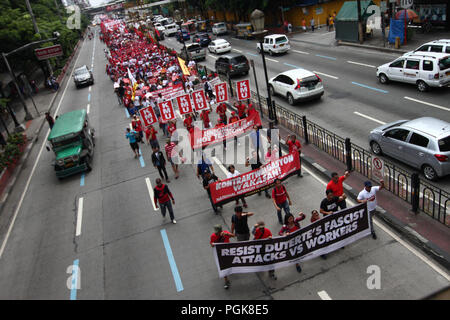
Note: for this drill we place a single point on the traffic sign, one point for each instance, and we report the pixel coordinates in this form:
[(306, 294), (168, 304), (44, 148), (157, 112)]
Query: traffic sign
[(377, 168), (48, 52)]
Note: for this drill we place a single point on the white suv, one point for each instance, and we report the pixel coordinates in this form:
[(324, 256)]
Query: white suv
[(171, 30), (428, 69), (219, 28), (275, 43), (297, 84), (442, 45)]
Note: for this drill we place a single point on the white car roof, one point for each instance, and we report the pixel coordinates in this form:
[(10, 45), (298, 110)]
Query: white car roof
[(275, 36), (298, 73), (220, 41), (420, 54)]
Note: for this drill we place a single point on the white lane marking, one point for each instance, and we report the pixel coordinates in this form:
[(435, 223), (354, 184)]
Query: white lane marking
[(326, 75), (377, 222), (27, 185), (90, 88), (88, 108), (225, 171), (428, 104), (272, 60), (324, 295), (240, 51), (150, 193), (79, 216), (209, 55), (361, 64), (367, 117), (301, 52)]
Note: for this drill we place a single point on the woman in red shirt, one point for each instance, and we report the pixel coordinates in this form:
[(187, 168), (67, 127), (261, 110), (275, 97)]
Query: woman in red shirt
[(295, 146), (261, 232), (220, 236), (137, 126), (292, 225)]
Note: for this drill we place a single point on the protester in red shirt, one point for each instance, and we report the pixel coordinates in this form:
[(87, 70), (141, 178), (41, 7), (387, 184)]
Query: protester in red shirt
[(251, 109), (222, 111), (295, 145), (172, 127), (150, 136), (291, 225), (204, 115), (187, 122), (259, 232), (242, 109), (137, 126), (163, 195), (220, 124), (172, 156), (336, 185), (220, 236), (234, 118), (281, 199)]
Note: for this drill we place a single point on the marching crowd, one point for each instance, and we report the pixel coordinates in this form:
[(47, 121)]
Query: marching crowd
[(141, 70)]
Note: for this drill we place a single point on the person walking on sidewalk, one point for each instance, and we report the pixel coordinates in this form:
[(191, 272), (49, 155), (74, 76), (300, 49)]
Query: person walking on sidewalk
[(336, 185), (369, 195), (281, 199), (240, 224), (220, 236), (232, 172), (171, 149), (50, 120), (312, 22), (163, 195), (260, 232), (159, 163), (132, 137), (292, 224)]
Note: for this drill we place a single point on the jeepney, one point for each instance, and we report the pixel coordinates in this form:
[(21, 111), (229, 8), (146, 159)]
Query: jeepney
[(72, 141), (244, 30), (190, 27)]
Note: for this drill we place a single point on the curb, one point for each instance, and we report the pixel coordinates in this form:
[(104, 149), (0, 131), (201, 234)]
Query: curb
[(428, 247), (366, 46), (32, 141)]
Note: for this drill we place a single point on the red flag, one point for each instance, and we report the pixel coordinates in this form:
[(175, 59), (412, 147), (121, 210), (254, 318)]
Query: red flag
[(184, 104), (148, 116), (199, 100), (166, 109), (243, 89), (221, 92)]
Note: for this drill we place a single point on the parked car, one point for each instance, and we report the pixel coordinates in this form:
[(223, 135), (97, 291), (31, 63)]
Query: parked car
[(219, 28), (219, 46), (83, 76), (232, 64), (430, 69), (202, 38), (194, 52), (183, 35), (423, 143), (171, 30), (275, 43), (297, 84), (442, 45)]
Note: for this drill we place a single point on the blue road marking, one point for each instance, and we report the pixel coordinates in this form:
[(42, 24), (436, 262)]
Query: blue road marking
[(82, 180), (326, 57), (252, 54), (173, 265), (292, 65), (73, 291), (368, 87), (89, 97), (141, 158)]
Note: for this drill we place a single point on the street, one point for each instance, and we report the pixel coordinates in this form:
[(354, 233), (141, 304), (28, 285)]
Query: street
[(98, 235)]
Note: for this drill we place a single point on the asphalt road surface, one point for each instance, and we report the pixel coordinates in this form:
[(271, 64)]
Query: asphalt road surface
[(98, 236)]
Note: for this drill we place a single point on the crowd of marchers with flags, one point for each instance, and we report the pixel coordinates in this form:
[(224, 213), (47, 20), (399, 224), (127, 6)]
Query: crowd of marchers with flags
[(149, 78)]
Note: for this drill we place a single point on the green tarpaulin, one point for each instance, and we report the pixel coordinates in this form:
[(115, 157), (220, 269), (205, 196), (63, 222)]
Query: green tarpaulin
[(349, 11)]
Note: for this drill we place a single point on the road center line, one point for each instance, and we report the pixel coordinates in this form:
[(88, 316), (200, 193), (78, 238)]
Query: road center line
[(172, 263), (150, 192), (428, 104), (88, 108), (272, 60), (325, 57), (252, 54), (79, 216), (240, 51), (361, 64), (324, 295), (367, 117), (326, 75), (301, 52), (74, 284), (292, 65)]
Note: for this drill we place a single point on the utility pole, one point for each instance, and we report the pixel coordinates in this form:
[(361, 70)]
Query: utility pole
[(360, 28)]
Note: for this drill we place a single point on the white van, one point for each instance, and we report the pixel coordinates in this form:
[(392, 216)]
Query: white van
[(171, 30), (275, 43), (219, 28), (442, 45), (427, 69)]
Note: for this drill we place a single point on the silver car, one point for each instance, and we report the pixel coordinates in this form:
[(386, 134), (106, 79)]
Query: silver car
[(423, 143)]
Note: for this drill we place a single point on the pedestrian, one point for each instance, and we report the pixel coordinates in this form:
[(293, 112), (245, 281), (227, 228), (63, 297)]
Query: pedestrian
[(234, 118), (203, 166), (171, 149), (150, 136), (369, 195), (291, 225), (221, 110), (295, 146), (208, 88), (220, 236), (132, 137), (281, 199), (328, 23), (172, 127), (50, 120), (240, 224), (336, 185), (255, 163), (137, 126), (208, 179), (289, 27), (304, 24), (232, 172), (256, 139), (332, 22), (314, 216), (329, 204), (312, 24), (260, 232), (120, 93), (163, 195), (159, 163), (242, 109), (187, 122), (204, 115)]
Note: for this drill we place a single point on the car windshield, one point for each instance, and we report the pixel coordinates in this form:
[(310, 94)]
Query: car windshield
[(204, 36), (80, 72), (444, 144), (444, 63), (239, 59), (220, 25), (280, 40)]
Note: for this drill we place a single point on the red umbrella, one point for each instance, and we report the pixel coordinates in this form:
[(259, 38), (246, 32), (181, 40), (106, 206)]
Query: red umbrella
[(410, 14)]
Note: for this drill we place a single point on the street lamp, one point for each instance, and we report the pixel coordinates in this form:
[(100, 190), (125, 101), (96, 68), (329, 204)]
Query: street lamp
[(257, 20)]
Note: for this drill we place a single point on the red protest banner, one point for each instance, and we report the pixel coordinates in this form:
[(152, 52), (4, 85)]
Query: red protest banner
[(48, 52), (243, 89), (166, 109), (184, 104), (148, 116), (199, 100), (221, 92), (249, 183), (202, 138)]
